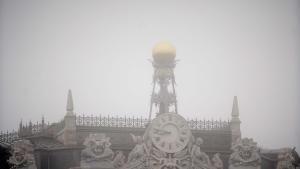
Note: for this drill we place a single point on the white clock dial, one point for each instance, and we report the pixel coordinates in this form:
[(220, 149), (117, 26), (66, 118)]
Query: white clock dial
[(170, 132)]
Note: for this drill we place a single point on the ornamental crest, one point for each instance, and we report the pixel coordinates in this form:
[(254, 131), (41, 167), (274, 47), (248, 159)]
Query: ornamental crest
[(285, 160), (97, 153), (245, 153)]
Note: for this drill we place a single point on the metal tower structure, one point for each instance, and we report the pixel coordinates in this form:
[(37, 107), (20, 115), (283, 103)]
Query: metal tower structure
[(163, 96)]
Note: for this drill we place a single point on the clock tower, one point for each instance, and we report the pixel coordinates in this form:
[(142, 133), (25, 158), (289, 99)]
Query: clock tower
[(168, 136), (163, 97), (168, 142)]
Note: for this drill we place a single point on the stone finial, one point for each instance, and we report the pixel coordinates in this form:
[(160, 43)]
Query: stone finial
[(235, 109), (68, 134), (70, 106), (235, 121)]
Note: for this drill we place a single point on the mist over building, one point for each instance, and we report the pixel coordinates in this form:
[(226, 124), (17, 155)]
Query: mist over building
[(100, 51)]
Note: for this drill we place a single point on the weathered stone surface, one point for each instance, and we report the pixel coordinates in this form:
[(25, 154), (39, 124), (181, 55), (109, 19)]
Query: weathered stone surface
[(217, 163), (285, 159), (22, 156), (97, 154), (137, 158), (244, 167), (245, 155), (119, 160), (200, 159)]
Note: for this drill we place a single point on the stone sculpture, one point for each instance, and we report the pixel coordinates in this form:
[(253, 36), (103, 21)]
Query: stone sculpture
[(285, 159), (22, 155), (217, 163), (97, 154), (137, 158), (119, 160), (245, 155), (138, 152), (200, 160)]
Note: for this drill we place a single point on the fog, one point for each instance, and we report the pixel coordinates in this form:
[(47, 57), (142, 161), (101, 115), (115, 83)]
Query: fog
[(101, 50)]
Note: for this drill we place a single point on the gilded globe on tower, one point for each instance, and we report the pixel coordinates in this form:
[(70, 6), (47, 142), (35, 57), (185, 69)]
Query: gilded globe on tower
[(164, 52)]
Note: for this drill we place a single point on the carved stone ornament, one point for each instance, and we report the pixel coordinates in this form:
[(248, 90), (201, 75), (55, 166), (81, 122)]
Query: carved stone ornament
[(200, 160), (97, 154), (245, 155), (119, 160), (137, 158), (22, 156), (217, 163), (161, 160), (285, 160), (169, 144)]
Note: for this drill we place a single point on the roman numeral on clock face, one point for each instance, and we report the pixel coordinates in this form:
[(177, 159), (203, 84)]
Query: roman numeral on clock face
[(182, 139), (178, 144), (157, 139), (170, 118), (156, 130)]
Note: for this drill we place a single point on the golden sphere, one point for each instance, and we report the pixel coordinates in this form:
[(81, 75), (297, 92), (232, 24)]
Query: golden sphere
[(164, 52)]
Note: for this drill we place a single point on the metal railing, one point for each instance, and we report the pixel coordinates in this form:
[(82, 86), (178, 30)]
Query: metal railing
[(9, 137), (132, 122), (108, 121)]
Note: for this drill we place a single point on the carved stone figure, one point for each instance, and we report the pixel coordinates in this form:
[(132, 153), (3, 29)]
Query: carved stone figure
[(200, 160), (22, 155), (138, 152), (285, 160), (184, 158), (245, 155), (97, 154), (137, 158), (217, 163), (119, 160)]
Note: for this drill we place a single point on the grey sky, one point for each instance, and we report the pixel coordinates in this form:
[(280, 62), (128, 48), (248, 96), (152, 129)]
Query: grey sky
[(100, 50)]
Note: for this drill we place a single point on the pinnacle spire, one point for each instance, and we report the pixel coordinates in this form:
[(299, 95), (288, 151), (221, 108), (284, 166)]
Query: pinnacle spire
[(70, 103), (235, 109)]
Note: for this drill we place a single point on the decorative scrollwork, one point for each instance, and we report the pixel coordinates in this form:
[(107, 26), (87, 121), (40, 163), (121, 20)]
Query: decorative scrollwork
[(97, 152), (245, 153)]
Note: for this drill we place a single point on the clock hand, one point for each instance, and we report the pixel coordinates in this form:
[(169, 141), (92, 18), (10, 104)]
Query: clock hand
[(162, 132), (166, 132)]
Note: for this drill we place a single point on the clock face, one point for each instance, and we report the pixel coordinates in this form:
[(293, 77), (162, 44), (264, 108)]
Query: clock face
[(170, 132)]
